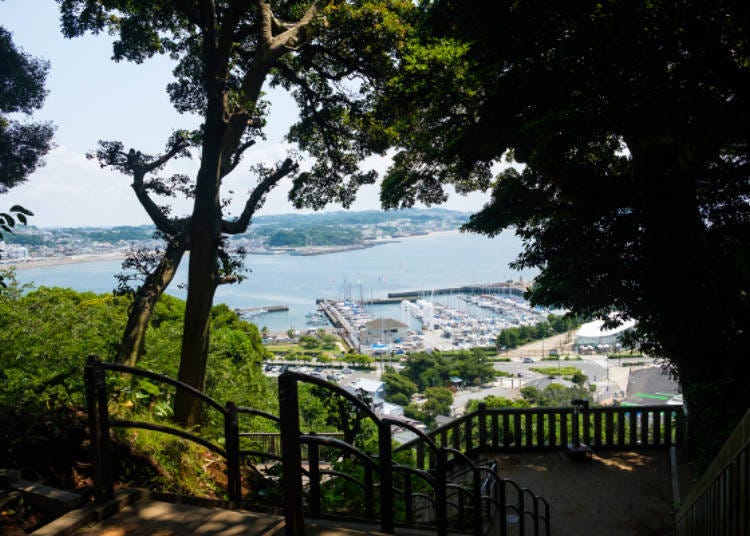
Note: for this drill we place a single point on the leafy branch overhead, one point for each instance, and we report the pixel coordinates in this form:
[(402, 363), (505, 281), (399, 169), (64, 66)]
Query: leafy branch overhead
[(630, 120), (332, 56)]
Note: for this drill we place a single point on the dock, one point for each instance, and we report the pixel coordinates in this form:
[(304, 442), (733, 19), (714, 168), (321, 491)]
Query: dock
[(264, 309), (348, 333), (516, 288)]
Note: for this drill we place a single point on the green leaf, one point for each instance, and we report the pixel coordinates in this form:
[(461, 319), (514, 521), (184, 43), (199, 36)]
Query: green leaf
[(149, 387), (19, 208)]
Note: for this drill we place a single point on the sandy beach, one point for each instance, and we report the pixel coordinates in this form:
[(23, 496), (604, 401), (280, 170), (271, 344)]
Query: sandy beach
[(36, 262)]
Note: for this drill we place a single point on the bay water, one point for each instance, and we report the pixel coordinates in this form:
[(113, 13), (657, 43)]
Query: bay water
[(446, 259)]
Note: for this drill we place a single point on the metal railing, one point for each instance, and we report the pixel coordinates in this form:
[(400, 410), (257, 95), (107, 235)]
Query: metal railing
[(469, 498), (438, 497), (720, 502), (100, 424)]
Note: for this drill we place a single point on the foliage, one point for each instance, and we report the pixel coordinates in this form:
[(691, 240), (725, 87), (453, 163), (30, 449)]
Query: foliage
[(617, 110), (554, 395), (398, 388), (497, 402), (22, 145), (557, 371), (36, 363), (510, 338), (226, 52), (359, 360), (318, 235), (579, 378), (438, 401), (436, 368)]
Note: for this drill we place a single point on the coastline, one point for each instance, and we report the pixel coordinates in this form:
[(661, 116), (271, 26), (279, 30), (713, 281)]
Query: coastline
[(325, 250), (38, 262)]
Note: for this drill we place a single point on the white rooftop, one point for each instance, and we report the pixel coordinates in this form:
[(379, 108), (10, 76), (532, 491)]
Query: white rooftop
[(596, 329)]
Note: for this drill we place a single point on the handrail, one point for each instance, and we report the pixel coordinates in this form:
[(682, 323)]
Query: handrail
[(164, 379), (554, 428), (258, 413), (143, 425), (298, 376), (715, 503), (337, 443), (100, 424), (425, 503)]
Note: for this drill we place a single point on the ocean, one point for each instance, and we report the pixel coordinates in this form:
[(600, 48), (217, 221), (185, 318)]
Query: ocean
[(414, 263)]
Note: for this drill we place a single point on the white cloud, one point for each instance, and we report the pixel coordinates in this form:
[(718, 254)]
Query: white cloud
[(73, 191)]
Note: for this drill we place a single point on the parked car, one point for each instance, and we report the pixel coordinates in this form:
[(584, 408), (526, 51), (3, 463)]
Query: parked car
[(527, 360)]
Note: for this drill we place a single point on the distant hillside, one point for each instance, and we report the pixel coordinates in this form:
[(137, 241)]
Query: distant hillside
[(282, 230)]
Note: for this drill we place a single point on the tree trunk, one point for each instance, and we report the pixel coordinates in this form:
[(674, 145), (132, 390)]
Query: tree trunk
[(205, 236), (134, 337)]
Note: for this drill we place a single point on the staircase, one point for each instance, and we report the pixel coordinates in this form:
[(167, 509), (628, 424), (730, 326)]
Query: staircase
[(434, 483)]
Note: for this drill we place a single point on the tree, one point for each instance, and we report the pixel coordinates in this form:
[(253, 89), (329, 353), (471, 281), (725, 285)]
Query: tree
[(22, 145), (330, 55), (631, 122), (439, 400), (397, 387)]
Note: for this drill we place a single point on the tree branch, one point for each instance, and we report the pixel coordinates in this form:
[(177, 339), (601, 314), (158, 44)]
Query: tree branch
[(187, 8), (255, 201), (290, 38), (152, 209), (236, 158)]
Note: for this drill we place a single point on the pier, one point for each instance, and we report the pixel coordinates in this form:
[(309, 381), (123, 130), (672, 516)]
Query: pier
[(348, 333), (260, 310), (517, 288)]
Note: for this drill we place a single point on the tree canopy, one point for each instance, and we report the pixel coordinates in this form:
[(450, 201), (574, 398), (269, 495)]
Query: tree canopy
[(631, 123), (333, 57), (22, 144)]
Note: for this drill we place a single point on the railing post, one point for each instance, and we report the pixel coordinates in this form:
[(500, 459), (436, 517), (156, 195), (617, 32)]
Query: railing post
[(313, 461), (502, 500), (96, 395), (291, 455), (385, 456), (89, 374), (482, 415), (408, 499), (441, 493), (477, 511), (232, 444)]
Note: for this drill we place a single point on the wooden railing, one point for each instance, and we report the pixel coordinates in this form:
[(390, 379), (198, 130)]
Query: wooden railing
[(534, 429), (720, 502)]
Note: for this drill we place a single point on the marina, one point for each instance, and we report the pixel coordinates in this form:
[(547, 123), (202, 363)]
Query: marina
[(280, 290), (432, 325)]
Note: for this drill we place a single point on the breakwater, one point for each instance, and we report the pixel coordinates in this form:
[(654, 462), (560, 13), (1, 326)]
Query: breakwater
[(516, 288)]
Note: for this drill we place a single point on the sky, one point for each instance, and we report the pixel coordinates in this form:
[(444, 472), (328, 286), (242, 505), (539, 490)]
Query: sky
[(93, 98)]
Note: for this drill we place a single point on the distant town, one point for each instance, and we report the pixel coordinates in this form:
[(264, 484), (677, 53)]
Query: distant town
[(301, 234)]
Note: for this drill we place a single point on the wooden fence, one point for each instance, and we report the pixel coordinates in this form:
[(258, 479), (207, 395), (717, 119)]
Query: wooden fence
[(720, 502), (535, 429)]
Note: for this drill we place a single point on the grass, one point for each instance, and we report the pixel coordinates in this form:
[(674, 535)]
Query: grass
[(287, 349), (557, 371)]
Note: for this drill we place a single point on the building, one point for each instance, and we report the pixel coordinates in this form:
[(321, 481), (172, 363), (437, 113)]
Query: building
[(374, 389), (595, 335), (383, 331)]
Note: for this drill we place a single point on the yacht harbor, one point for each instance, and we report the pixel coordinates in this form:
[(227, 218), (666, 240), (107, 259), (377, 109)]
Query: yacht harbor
[(471, 320)]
